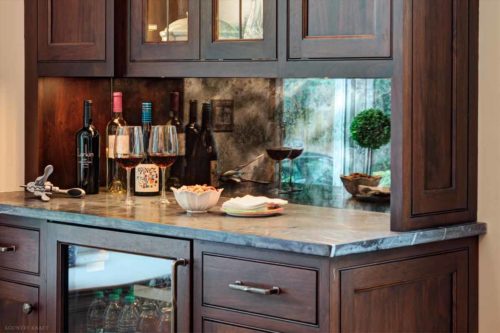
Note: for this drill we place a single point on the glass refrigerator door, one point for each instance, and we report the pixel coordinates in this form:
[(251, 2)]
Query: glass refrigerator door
[(110, 291)]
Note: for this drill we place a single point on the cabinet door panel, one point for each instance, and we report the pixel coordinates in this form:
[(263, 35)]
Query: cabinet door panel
[(72, 30), (239, 30), (215, 327), (339, 29), (164, 30), (13, 297), (418, 295), (434, 139)]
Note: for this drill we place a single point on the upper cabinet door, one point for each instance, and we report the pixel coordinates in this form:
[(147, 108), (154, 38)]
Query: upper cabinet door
[(164, 30), (327, 29), (75, 32), (238, 29), (434, 155)]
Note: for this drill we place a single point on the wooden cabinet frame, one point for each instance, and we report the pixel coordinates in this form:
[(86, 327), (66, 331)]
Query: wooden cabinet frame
[(180, 50), (376, 45), (212, 49), (60, 235)]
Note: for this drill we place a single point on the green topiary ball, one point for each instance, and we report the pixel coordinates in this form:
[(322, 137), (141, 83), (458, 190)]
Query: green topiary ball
[(371, 128)]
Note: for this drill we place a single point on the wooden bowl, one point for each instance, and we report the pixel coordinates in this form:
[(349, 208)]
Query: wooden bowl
[(352, 182)]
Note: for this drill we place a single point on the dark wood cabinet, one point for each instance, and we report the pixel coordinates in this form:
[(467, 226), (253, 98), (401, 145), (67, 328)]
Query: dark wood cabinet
[(427, 294), (434, 155), (75, 37), (18, 307), (235, 32), (210, 326), (329, 29), (162, 30)]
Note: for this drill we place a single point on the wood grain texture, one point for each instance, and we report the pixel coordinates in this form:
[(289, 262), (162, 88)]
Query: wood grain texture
[(273, 262), (154, 50), (75, 37), (340, 29), (216, 327), (12, 298), (297, 300), (26, 257), (435, 87), (60, 108)]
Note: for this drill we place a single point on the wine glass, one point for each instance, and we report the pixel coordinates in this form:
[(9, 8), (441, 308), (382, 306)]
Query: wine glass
[(297, 147), (278, 154), (129, 152), (163, 151)]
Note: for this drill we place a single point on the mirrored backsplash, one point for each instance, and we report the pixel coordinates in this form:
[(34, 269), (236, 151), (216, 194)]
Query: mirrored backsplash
[(313, 117)]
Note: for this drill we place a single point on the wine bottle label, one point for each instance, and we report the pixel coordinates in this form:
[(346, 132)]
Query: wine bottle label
[(122, 146), (85, 159), (182, 144), (147, 178), (110, 149)]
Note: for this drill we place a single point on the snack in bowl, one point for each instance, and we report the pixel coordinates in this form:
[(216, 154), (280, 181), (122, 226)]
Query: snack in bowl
[(197, 198)]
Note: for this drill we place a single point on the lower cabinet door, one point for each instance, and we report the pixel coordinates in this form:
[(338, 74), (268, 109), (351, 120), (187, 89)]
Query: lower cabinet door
[(217, 327), (18, 308), (427, 294)]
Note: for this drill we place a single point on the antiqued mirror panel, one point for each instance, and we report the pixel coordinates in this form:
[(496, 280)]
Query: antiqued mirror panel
[(239, 20), (166, 21)]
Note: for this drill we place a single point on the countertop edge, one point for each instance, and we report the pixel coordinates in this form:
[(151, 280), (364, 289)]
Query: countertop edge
[(324, 250)]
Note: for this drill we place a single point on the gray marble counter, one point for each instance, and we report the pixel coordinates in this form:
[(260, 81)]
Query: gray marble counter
[(310, 230)]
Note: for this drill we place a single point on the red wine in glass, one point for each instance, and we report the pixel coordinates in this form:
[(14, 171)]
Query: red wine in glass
[(163, 161), (129, 161), (296, 152), (279, 154)]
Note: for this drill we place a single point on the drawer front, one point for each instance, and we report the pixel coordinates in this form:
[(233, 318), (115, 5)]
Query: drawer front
[(19, 249), (298, 288), (216, 327)]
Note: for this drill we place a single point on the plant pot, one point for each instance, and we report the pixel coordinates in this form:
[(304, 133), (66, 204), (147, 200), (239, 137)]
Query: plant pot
[(352, 182)]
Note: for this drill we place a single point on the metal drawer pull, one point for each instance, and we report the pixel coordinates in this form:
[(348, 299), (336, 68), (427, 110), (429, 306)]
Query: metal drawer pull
[(27, 308), (238, 285), (4, 249)]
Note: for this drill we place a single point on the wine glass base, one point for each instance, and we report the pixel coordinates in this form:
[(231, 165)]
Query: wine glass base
[(129, 202), (164, 202)]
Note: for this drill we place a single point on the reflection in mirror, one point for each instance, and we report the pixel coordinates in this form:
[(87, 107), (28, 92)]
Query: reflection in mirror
[(239, 19), (166, 21)]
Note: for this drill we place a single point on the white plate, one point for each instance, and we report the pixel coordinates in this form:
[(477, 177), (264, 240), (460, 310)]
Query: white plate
[(269, 212)]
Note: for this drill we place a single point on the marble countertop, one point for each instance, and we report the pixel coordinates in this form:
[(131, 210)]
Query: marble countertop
[(320, 231)]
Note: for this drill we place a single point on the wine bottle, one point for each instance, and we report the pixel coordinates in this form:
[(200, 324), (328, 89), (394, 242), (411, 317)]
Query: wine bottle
[(192, 138), (147, 174), (115, 176), (208, 155), (177, 171), (87, 153)]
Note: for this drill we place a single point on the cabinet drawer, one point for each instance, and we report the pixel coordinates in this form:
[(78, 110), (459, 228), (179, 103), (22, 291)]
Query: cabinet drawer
[(298, 289), (19, 249), (216, 327)]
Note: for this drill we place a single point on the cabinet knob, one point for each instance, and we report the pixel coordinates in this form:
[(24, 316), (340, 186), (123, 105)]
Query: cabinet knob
[(27, 308)]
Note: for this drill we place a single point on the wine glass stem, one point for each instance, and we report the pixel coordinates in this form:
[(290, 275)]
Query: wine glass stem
[(163, 198), (290, 180), (128, 199), (279, 176)]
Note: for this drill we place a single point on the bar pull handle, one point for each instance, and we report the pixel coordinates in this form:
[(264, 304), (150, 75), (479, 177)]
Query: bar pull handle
[(8, 248), (238, 285), (175, 266)]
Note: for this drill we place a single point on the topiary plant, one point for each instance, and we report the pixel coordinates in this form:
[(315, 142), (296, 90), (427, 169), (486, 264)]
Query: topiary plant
[(371, 129)]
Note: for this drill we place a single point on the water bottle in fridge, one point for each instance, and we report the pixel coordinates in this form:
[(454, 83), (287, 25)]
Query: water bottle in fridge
[(129, 316), (112, 314), (95, 314), (148, 320)]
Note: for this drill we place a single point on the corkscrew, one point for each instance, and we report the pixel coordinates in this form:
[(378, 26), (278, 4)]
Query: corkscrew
[(42, 188)]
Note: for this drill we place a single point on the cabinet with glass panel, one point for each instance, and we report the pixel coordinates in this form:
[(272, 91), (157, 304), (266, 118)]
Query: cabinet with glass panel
[(164, 30)]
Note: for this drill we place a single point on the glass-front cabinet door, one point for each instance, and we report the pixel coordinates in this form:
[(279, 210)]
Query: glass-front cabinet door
[(164, 30), (119, 282), (238, 29)]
